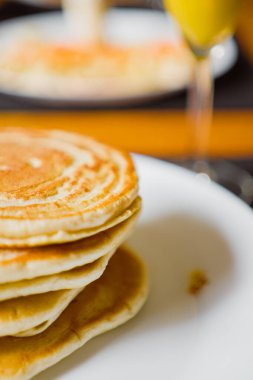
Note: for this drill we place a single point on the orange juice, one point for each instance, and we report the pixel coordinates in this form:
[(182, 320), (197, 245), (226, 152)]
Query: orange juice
[(205, 22)]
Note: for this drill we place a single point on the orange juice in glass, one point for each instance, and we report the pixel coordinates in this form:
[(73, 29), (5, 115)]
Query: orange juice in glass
[(205, 23)]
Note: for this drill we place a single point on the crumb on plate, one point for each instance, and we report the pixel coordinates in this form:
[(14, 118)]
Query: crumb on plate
[(197, 280)]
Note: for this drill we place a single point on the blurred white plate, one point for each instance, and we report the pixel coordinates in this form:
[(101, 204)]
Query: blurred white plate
[(186, 224), (122, 26)]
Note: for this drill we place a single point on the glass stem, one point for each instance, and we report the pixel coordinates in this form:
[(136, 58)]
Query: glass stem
[(200, 107)]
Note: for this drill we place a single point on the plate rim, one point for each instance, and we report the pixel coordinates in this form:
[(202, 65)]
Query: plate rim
[(78, 371), (186, 173)]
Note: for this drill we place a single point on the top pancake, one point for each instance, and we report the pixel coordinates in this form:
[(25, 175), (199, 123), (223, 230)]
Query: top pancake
[(55, 184)]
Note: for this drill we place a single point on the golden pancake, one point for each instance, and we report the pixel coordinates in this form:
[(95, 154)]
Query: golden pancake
[(75, 278), (68, 236), (25, 263), (52, 317), (54, 184), (22, 314), (103, 305)]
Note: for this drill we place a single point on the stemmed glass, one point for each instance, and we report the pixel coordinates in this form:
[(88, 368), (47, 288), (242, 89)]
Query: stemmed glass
[(204, 24), (84, 18)]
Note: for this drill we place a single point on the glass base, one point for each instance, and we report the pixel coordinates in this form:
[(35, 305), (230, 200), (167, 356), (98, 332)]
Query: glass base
[(228, 175)]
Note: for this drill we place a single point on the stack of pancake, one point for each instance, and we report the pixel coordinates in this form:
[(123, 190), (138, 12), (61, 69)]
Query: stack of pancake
[(67, 203)]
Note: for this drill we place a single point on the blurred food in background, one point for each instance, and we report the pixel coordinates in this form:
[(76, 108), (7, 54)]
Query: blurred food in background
[(138, 55), (102, 70), (91, 52)]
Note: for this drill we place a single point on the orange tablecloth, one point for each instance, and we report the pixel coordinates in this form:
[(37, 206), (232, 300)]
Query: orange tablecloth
[(158, 133)]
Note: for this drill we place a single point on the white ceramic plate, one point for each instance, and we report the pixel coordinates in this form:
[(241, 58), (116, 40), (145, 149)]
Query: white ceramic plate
[(186, 224), (122, 26)]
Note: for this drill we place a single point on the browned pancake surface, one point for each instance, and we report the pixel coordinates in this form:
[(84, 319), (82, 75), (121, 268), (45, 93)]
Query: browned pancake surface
[(54, 182), (104, 304), (32, 169)]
